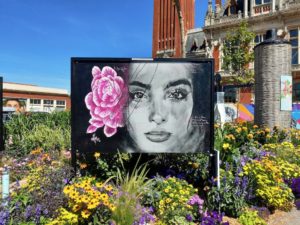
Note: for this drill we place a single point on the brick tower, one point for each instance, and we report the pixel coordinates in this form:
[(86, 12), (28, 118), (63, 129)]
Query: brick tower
[(166, 29)]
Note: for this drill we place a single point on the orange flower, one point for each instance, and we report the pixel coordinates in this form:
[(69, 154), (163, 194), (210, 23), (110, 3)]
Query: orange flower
[(83, 165)]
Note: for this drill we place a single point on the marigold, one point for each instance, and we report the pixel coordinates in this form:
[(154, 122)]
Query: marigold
[(83, 165)]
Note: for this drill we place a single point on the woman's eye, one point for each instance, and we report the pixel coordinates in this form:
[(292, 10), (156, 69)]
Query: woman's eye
[(137, 95), (178, 94)]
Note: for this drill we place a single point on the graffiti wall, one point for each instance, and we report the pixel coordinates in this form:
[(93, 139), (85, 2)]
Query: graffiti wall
[(245, 112), (296, 116)]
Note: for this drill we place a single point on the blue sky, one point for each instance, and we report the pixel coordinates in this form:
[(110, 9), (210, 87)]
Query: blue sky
[(38, 37)]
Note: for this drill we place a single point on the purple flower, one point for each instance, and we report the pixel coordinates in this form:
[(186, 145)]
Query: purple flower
[(297, 203), (106, 101), (189, 218), (4, 217)]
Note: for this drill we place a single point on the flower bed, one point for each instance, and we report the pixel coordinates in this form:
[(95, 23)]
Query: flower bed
[(260, 173)]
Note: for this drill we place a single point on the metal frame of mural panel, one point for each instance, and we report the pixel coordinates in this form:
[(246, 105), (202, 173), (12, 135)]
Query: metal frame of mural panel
[(141, 105), (1, 116)]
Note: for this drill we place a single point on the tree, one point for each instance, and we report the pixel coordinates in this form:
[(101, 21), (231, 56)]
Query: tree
[(181, 25), (237, 51)]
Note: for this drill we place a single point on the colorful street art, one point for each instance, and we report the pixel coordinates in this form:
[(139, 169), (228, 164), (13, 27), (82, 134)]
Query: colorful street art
[(296, 115), (245, 112)]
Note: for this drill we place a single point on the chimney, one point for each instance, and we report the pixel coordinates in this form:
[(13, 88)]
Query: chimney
[(219, 2)]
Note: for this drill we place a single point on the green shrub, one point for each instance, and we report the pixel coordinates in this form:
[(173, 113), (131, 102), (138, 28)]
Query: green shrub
[(24, 132), (251, 218)]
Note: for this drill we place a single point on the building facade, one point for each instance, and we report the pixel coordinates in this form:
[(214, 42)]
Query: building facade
[(31, 98), (207, 42), (166, 29)]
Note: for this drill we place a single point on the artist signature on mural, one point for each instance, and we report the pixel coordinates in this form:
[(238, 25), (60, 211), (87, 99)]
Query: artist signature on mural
[(199, 121), (95, 139)]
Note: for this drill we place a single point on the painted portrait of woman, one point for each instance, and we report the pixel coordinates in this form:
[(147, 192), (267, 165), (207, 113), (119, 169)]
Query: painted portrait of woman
[(159, 114), (144, 107)]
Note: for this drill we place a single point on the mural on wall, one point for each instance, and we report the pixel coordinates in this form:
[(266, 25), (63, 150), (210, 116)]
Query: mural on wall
[(19, 105), (245, 112), (145, 106), (286, 90), (296, 116)]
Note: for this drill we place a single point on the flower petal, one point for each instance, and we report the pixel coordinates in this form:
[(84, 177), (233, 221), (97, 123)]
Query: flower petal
[(89, 101), (109, 131), (108, 71), (91, 129), (96, 123), (96, 71)]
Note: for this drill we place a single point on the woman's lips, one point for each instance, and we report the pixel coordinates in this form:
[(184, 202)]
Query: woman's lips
[(158, 136)]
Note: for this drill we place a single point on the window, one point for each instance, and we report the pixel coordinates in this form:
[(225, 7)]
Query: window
[(35, 101), (260, 2), (296, 92), (230, 95), (294, 39), (48, 102), (60, 103), (259, 38)]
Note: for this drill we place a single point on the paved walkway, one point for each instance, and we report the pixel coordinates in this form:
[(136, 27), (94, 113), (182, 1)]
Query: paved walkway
[(285, 218)]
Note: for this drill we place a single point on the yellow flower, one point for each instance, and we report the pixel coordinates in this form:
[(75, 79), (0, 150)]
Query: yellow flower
[(268, 136), (97, 155), (168, 200), (216, 126), (244, 128), (67, 189), (36, 151), (92, 204), (255, 126), (267, 130), (76, 207), (226, 146), (85, 213), (250, 136)]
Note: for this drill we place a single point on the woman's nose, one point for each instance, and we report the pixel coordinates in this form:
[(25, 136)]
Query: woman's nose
[(158, 112)]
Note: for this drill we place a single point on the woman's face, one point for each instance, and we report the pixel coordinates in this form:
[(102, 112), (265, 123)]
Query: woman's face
[(15, 104), (160, 106)]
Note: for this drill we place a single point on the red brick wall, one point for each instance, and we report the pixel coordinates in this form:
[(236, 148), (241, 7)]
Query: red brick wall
[(66, 98), (166, 30), (216, 55)]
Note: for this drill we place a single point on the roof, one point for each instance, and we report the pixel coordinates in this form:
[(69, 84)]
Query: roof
[(195, 35), (15, 87)]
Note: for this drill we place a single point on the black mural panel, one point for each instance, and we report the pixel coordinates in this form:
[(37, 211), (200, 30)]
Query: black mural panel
[(1, 115), (142, 106)]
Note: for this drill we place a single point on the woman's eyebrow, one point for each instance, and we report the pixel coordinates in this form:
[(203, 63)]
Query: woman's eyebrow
[(140, 84), (178, 82)]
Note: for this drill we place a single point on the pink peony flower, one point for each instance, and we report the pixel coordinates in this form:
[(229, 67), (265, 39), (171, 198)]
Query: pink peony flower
[(106, 101)]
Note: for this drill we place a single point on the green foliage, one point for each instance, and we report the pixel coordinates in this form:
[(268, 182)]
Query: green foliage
[(250, 217), (238, 54), (231, 196), (36, 200), (267, 181), (131, 188), (194, 167), (25, 132), (170, 198)]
